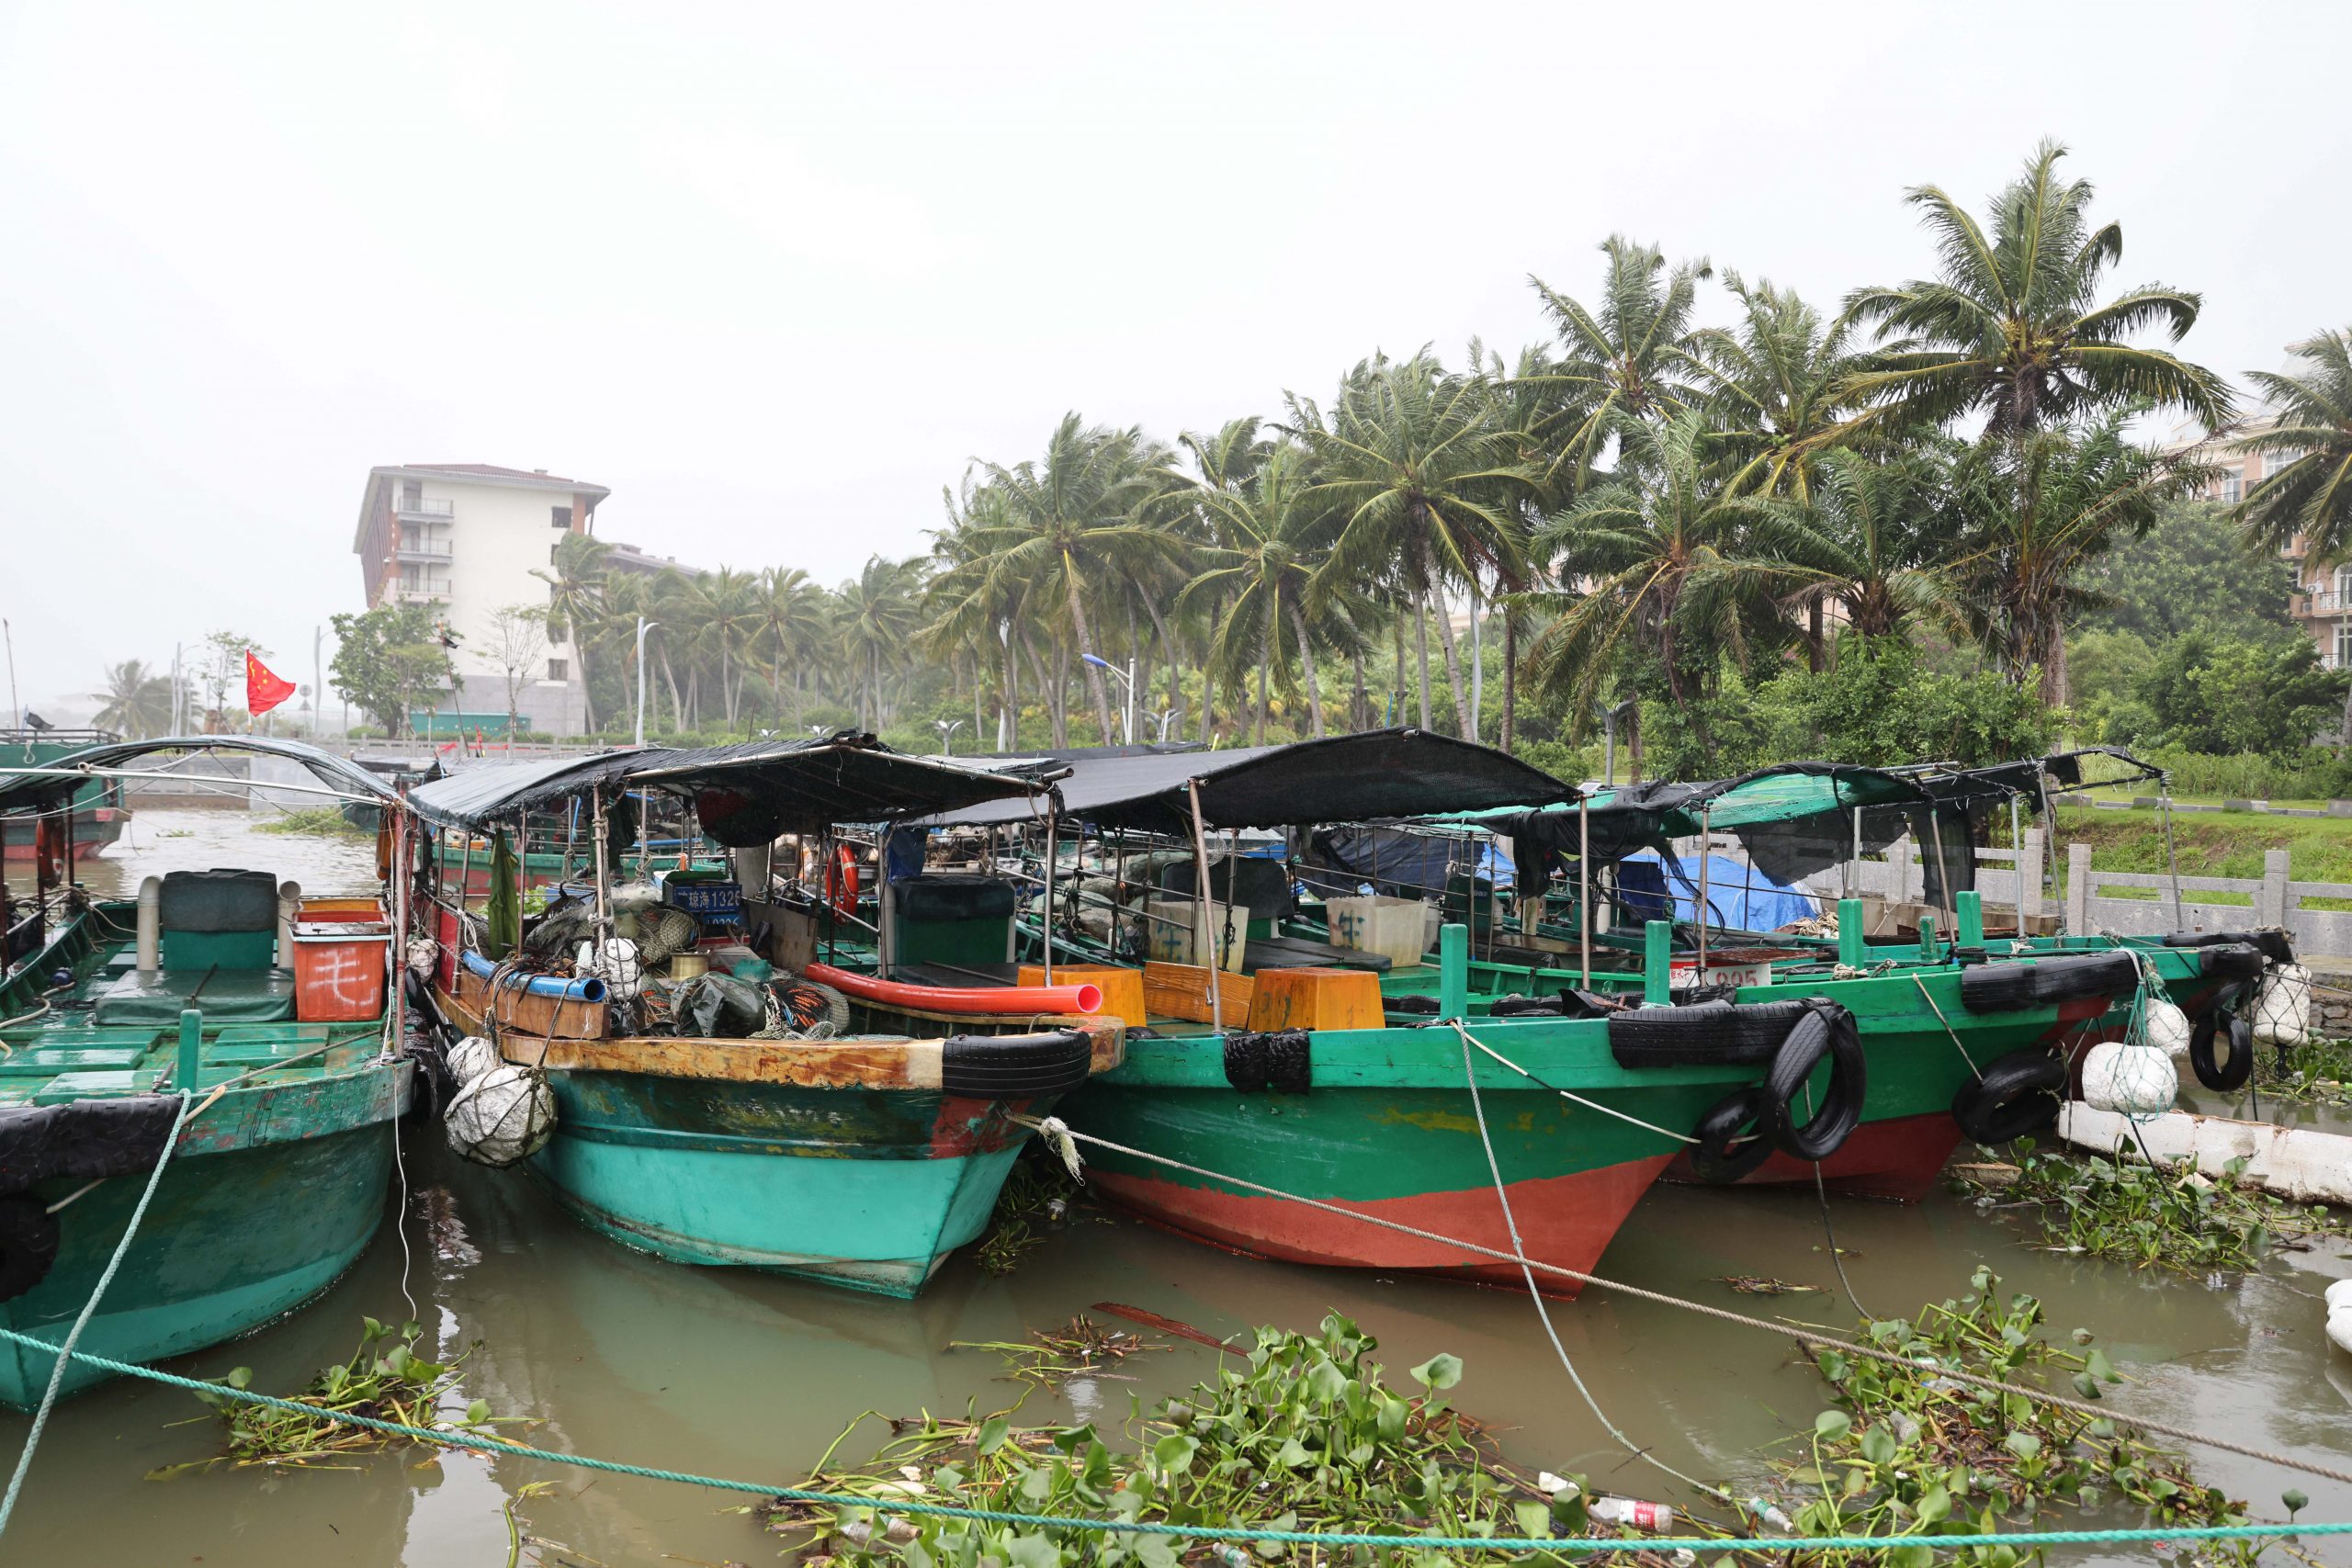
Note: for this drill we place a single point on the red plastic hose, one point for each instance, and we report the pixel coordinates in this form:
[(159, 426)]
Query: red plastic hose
[(1078, 998)]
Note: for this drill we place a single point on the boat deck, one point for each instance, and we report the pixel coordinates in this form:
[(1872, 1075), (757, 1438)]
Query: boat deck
[(84, 1047)]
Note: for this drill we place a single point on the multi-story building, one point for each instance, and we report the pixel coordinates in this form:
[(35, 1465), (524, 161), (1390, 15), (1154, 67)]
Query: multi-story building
[(466, 539), (2321, 601)]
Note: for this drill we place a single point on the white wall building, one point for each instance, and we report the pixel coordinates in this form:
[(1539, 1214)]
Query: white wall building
[(467, 537)]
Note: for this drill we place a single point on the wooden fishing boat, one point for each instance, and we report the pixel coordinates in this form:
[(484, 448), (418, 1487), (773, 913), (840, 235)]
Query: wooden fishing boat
[(860, 1160), (60, 837), (277, 1183)]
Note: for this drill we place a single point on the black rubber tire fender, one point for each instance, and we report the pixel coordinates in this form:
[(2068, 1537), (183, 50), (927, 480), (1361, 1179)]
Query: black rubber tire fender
[(2018, 1094), (2213, 1074), (1702, 1033), (1011, 1067), (2230, 960), (27, 1245), (1825, 1030), (1713, 1159), (2270, 942), (2016, 986)]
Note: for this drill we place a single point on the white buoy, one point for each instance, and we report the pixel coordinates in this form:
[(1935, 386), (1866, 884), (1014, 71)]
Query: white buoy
[(2131, 1081), (2339, 1316), (471, 1057), (503, 1117), (2282, 1008), (616, 966), (2168, 1028)]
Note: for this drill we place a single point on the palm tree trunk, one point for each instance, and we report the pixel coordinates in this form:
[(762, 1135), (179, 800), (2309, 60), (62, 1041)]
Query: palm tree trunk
[(1168, 651), (1360, 709), (1086, 647), (1306, 663), (1511, 680), (1396, 681), (1422, 639), (587, 703), (1466, 723), (1814, 648), (1477, 660)]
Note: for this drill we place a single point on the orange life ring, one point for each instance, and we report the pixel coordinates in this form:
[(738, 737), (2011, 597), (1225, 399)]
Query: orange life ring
[(841, 881)]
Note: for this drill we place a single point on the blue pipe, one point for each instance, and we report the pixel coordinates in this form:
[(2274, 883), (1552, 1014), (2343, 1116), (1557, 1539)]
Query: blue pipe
[(591, 989)]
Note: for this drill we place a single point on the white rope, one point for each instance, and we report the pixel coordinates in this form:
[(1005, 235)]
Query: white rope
[(1949, 1032), (1591, 1104), (1542, 1312)]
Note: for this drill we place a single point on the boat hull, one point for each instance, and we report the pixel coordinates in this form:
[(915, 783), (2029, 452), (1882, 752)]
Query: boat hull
[(869, 1189), (92, 831), (1387, 1129), (244, 1228)]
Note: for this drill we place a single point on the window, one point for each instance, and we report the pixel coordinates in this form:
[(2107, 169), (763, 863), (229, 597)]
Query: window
[(552, 550), (412, 496), (2343, 660), (558, 517), (2274, 461), (559, 670), (2233, 486)]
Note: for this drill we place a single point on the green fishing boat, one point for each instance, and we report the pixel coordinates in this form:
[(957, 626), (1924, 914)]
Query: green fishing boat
[(695, 1105), (133, 1018)]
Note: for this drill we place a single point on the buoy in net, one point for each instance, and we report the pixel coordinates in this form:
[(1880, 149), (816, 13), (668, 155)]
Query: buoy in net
[(2131, 1081), (471, 1057), (2168, 1027), (2282, 1009), (502, 1118), (617, 966)]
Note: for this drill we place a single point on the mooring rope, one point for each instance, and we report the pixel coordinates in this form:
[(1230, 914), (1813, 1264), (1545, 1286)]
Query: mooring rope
[(73, 1335), (1469, 1040), (1055, 1127)]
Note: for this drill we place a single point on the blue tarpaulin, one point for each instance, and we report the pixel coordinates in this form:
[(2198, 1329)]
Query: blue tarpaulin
[(1738, 895)]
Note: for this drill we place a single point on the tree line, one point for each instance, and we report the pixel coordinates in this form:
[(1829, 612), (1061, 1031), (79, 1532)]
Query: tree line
[(1642, 516)]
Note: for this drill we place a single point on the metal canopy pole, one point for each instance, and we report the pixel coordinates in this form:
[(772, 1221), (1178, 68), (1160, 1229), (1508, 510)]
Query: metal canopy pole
[(2172, 861), (603, 891), (1584, 886), (1201, 904), (1053, 853), (2050, 825), (2017, 849), (1705, 814), (1854, 885), (1943, 868)]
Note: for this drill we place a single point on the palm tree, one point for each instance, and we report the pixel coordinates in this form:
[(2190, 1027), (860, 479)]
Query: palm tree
[(1420, 469), (575, 601), (723, 607), (2038, 510), (1631, 358), (2012, 328), (137, 701), (1275, 534), (880, 610), (1879, 521), (788, 617), (1673, 566), (1064, 527), (2306, 488), (1776, 385)]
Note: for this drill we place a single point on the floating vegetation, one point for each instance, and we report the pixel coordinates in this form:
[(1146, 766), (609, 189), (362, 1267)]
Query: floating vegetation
[(1051, 1357), (2317, 1072), (1905, 1450), (2154, 1216), (1037, 1200), (324, 821), (1304, 1436), (1760, 1285), (381, 1382)]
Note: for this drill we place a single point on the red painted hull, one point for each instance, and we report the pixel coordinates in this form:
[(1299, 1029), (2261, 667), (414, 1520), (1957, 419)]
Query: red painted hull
[(1899, 1158), (1563, 1220)]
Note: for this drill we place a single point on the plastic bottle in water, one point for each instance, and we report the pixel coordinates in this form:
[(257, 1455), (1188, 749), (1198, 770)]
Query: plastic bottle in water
[(1632, 1511), (1769, 1514)]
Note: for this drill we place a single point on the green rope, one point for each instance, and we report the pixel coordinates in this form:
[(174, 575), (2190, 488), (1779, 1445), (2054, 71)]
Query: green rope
[(74, 1335), (1570, 1546)]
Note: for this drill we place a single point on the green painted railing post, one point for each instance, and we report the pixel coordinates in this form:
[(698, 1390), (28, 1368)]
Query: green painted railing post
[(1853, 941), (1657, 962), (1927, 936), (1453, 971), (1970, 906), (191, 1049)]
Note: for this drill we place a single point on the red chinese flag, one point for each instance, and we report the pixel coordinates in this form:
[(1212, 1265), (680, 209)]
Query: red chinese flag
[(263, 691)]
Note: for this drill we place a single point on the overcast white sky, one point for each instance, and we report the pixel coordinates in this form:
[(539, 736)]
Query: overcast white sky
[(775, 273)]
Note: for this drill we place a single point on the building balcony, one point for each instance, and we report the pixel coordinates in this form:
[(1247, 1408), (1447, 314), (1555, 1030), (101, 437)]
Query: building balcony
[(2328, 601), (416, 506), (420, 593), (424, 549)]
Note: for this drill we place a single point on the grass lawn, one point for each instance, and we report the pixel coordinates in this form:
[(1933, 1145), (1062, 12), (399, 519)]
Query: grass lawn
[(2319, 849)]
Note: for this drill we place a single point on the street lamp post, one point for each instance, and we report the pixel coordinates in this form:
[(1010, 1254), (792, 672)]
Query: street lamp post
[(948, 729), (1127, 678), (1608, 717), (643, 625)]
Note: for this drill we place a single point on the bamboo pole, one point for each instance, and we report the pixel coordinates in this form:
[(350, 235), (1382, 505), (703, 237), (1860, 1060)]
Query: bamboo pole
[(1201, 904)]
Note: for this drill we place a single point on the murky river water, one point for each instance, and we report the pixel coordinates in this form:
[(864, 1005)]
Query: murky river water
[(625, 1357)]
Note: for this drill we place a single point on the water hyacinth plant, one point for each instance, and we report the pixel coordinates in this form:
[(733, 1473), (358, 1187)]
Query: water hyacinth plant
[(1304, 1436), (1905, 1449), (381, 1382), (2154, 1217)]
